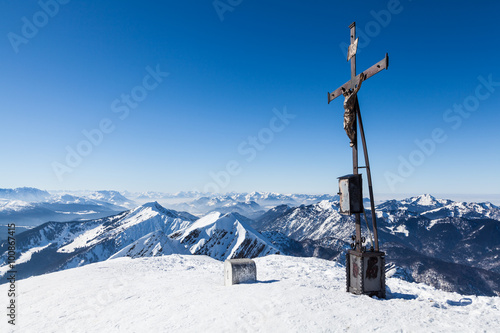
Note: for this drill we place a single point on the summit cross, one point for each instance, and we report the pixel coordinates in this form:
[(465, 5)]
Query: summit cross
[(352, 117), (365, 270)]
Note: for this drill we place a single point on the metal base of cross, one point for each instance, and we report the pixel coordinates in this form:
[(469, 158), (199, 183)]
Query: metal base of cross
[(365, 273)]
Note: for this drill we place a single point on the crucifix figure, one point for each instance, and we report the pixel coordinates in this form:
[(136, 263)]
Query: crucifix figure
[(350, 111), (364, 269)]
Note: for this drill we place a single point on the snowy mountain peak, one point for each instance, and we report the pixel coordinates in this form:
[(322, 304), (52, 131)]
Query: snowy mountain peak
[(470, 210), (425, 200), (155, 207), (15, 205), (414, 205), (71, 244), (206, 220), (24, 194), (325, 205), (144, 219), (223, 237), (113, 197)]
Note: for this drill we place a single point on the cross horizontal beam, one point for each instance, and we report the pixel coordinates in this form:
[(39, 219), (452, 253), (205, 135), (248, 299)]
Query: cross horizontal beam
[(379, 66)]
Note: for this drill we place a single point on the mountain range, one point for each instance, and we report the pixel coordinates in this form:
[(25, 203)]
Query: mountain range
[(24, 194), (29, 207), (458, 242), (450, 245), (148, 230), (251, 204)]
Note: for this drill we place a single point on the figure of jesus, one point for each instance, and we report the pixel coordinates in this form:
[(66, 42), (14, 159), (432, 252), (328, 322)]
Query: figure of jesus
[(350, 112)]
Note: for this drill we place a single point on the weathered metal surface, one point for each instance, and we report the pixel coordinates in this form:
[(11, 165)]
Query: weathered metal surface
[(379, 66), (369, 175), (239, 270), (365, 273), (351, 194), (353, 59)]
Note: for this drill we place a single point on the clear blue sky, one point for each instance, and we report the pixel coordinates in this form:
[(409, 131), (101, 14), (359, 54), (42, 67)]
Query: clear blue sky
[(69, 68)]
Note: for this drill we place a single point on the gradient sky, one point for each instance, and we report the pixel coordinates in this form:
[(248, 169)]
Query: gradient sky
[(210, 124)]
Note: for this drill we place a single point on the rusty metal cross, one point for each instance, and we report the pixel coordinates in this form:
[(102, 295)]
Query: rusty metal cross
[(351, 85), (353, 82), (365, 270)]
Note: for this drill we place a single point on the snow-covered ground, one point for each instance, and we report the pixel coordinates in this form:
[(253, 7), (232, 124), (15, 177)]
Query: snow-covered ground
[(184, 293)]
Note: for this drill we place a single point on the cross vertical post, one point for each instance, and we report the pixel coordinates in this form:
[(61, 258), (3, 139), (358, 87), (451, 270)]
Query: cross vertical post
[(352, 57), (352, 53)]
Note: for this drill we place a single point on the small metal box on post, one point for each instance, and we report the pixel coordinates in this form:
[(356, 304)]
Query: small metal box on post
[(351, 194)]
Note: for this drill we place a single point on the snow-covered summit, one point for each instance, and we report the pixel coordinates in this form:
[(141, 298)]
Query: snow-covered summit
[(470, 210), (113, 197), (423, 200), (180, 293), (327, 205), (223, 237), (29, 194), (15, 205), (413, 205)]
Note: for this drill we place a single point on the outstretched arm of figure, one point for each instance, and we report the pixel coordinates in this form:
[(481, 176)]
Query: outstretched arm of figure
[(361, 79)]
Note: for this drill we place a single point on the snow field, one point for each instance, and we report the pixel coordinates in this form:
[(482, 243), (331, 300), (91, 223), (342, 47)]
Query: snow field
[(184, 293)]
